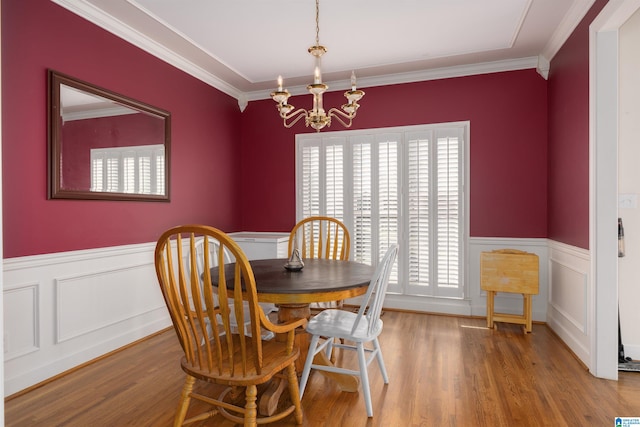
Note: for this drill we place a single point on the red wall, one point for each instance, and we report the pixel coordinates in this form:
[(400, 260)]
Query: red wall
[(569, 137), (508, 116), (38, 34), (236, 170)]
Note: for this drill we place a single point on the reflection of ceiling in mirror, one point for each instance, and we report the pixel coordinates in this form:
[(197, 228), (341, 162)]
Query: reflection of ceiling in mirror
[(78, 105)]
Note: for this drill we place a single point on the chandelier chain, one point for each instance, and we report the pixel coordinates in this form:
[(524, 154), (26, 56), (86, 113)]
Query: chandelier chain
[(317, 22)]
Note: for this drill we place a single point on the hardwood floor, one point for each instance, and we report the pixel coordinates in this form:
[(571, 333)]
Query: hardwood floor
[(443, 371)]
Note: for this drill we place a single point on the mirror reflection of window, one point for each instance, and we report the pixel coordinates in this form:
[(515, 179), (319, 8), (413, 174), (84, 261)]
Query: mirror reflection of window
[(91, 123), (137, 169)]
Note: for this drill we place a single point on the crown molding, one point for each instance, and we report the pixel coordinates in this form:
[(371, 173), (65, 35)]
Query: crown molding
[(416, 76), (543, 67), (577, 11), (93, 14), (107, 22)]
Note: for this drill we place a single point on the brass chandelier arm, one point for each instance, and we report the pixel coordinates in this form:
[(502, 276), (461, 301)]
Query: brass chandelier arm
[(339, 114), (298, 114), (294, 117)]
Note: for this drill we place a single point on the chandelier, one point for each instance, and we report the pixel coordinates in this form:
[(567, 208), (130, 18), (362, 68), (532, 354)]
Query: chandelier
[(317, 117)]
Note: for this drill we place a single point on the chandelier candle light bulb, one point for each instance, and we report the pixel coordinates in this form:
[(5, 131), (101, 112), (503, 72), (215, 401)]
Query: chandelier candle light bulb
[(317, 117)]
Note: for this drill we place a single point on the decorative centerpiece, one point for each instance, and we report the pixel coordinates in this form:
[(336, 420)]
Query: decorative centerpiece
[(295, 261)]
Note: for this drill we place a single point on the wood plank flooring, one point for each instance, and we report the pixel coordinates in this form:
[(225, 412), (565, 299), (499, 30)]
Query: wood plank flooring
[(443, 371)]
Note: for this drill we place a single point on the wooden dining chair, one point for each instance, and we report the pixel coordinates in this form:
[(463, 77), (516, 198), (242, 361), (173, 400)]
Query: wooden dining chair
[(360, 328), (212, 254), (321, 237), (237, 359)]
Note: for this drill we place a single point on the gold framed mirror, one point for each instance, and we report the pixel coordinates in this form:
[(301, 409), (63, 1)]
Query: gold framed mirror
[(104, 145)]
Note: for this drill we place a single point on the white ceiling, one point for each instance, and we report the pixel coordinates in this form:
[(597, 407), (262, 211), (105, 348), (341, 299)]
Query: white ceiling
[(241, 46)]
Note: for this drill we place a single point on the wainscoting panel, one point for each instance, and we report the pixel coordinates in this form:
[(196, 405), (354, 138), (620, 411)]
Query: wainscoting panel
[(65, 309), (88, 302), (21, 311), (568, 294), (569, 303)]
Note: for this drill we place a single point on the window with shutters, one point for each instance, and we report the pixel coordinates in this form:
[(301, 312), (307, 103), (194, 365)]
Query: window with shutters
[(137, 169), (403, 185)]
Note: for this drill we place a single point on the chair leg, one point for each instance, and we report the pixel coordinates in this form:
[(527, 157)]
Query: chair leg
[(251, 414), (333, 353), (383, 370), (185, 399), (307, 364), (294, 392), (329, 350), (364, 378)]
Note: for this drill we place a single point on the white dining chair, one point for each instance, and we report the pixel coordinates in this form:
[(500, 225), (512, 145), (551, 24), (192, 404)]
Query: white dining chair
[(360, 328), (214, 247)]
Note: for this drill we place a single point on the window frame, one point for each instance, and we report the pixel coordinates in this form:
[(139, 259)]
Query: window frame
[(346, 139)]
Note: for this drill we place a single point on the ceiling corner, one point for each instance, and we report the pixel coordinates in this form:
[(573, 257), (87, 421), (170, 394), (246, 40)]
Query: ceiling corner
[(577, 11)]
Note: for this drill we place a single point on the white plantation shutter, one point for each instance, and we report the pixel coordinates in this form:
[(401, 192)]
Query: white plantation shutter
[(334, 179), (419, 212), (309, 182), (97, 171), (144, 174), (112, 178), (403, 186), (388, 215), (361, 225), (448, 209), (434, 171), (129, 172), (158, 174)]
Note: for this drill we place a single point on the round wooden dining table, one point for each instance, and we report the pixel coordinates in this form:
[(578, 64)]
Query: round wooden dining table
[(321, 280)]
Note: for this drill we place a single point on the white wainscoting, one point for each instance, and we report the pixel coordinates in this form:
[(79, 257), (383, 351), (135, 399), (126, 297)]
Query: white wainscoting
[(569, 294), (64, 309)]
